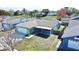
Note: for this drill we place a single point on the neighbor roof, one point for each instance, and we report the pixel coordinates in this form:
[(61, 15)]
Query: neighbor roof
[(75, 17), (39, 24), (16, 20), (65, 19), (12, 21)]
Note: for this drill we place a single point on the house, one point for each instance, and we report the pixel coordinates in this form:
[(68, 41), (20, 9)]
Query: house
[(52, 13), (70, 38), (75, 18), (11, 22), (65, 20), (44, 27)]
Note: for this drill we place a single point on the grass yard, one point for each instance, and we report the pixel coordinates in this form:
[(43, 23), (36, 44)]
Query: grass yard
[(38, 44), (50, 17), (23, 16), (47, 17)]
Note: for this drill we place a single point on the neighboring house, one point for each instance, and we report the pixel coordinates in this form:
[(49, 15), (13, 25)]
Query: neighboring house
[(44, 27), (10, 23), (70, 38), (52, 14), (66, 20), (75, 18)]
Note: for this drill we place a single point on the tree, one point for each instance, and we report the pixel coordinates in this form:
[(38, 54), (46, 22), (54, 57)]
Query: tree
[(16, 13), (35, 13), (31, 14), (45, 12), (24, 11), (11, 12), (4, 12)]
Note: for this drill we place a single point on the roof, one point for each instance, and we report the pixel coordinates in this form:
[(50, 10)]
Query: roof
[(75, 17), (72, 29), (16, 20), (70, 32), (12, 21), (73, 23), (65, 19), (39, 24)]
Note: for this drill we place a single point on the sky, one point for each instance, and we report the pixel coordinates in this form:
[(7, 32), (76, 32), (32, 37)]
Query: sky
[(38, 4)]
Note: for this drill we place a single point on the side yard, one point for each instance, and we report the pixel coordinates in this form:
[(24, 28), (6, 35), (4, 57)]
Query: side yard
[(37, 43)]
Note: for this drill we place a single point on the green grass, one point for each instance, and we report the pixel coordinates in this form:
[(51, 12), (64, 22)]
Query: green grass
[(47, 17), (50, 17), (23, 16), (38, 44)]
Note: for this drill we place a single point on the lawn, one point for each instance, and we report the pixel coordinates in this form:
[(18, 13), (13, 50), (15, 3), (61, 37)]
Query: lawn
[(23, 16), (50, 17), (37, 43), (47, 17)]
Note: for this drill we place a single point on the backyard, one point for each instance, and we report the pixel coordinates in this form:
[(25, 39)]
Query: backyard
[(38, 43)]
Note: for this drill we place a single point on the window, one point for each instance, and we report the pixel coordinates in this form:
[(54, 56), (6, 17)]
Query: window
[(73, 44)]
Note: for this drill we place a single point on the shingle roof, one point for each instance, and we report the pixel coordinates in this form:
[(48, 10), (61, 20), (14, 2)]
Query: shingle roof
[(75, 17), (65, 19), (43, 23), (16, 20), (72, 29), (73, 23), (69, 32), (11, 21)]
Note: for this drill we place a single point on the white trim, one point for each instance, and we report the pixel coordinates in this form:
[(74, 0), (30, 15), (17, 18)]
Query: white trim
[(76, 38), (44, 27), (28, 37)]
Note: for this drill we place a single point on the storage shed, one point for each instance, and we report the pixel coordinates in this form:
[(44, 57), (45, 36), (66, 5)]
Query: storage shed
[(45, 27), (10, 23)]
